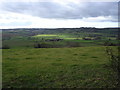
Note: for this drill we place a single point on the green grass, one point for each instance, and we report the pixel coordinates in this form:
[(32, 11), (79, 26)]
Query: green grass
[(45, 35), (18, 43), (56, 67), (62, 36), (83, 67)]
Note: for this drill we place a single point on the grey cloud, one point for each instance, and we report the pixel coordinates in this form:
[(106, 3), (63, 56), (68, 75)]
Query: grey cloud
[(61, 11)]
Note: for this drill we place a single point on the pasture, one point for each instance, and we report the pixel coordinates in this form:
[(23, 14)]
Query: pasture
[(81, 67), (58, 58)]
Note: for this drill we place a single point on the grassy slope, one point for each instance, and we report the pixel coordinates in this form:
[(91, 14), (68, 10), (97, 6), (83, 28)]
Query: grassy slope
[(56, 67)]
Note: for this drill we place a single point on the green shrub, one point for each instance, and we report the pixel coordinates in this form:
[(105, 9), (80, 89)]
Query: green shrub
[(114, 63), (37, 45), (5, 47)]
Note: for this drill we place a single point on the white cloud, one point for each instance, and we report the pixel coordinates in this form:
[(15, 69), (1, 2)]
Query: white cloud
[(100, 19), (14, 20)]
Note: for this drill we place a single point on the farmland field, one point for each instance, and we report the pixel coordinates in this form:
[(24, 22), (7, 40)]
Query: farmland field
[(56, 67), (58, 58), (58, 38)]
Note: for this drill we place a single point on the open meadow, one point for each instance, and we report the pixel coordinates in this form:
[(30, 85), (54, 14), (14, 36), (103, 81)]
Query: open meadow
[(56, 68), (65, 58)]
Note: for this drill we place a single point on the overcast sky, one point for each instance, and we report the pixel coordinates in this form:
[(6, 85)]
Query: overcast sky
[(58, 13)]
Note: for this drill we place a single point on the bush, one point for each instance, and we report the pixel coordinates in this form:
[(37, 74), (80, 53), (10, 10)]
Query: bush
[(114, 64), (42, 45), (5, 47), (107, 43), (86, 38), (37, 45)]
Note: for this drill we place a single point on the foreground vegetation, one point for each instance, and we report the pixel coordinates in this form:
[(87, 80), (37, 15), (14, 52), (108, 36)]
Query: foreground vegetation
[(55, 67)]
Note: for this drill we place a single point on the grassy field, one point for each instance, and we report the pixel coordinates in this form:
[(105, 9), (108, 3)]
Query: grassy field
[(58, 58), (79, 67), (62, 36)]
